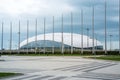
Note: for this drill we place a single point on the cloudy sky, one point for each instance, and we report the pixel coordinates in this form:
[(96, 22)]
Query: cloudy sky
[(23, 10)]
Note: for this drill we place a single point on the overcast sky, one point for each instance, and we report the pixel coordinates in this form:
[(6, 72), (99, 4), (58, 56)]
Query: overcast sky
[(23, 10)]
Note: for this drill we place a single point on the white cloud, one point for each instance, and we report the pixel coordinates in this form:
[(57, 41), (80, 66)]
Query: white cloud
[(34, 7), (16, 7), (13, 10)]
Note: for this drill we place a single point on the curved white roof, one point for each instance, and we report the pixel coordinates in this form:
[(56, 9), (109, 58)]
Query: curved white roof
[(66, 39)]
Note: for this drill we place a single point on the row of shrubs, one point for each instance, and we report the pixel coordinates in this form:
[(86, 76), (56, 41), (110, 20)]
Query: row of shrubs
[(67, 53)]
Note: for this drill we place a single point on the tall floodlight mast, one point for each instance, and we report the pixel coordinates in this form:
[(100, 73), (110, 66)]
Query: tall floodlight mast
[(10, 36), (96, 41), (2, 39), (81, 31), (53, 37), (110, 42), (44, 35), (19, 38), (93, 48), (87, 37), (105, 32), (71, 33), (119, 26), (62, 35), (35, 35), (27, 34)]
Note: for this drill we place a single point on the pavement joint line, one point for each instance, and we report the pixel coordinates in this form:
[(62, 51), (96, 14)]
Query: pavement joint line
[(82, 66), (98, 76), (42, 77), (87, 66), (94, 67), (29, 78), (73, 66), (99, 67), (23, 77), (58, 78), (19, 70)]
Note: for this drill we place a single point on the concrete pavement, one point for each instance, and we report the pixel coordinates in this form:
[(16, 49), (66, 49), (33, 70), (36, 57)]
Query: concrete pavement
[(59, 68)]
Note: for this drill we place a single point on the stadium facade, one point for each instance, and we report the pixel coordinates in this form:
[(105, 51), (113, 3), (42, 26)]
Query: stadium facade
[(46, 40)]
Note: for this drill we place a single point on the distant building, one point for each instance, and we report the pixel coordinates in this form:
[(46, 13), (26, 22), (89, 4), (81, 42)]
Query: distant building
[(58, 42)]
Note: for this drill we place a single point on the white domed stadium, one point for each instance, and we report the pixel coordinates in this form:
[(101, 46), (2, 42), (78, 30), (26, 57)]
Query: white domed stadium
[(48, 43)]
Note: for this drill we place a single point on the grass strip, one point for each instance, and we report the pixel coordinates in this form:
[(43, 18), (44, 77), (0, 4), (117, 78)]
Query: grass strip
[(6, 74)]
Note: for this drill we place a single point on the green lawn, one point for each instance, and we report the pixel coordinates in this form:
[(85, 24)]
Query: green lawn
[(107, 57), (56, 54), (5, 74)]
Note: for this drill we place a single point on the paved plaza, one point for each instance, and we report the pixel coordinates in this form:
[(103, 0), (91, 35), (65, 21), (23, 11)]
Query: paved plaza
[(59, 68)]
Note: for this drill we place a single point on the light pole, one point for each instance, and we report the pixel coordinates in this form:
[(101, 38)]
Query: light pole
[(27, 34), (119, 26), (35, 35), (53, 37), (10, 36), (8, 44), (87, 37), (62, 35), (105, 32), (81, 31), (2, 39), (44, 34), (15, 47), (93, 48), (96, 42), (31, 46), (110, 42), (19, 39), (71, 33)]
